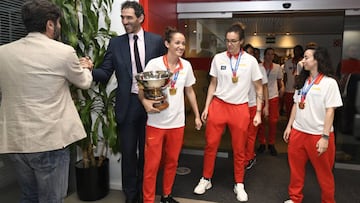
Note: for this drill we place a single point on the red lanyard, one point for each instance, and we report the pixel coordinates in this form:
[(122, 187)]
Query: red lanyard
[(308, 86), (175, 72)]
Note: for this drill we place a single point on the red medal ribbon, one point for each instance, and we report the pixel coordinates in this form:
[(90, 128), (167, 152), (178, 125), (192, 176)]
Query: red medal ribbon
[(175, 72), (310, 82), (238, 57)]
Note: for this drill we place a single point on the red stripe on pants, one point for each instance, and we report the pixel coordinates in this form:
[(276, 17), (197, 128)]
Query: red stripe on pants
[(288, 102), (251, 138), (272, 122), (301, 148), (237, 118), (161, 145)]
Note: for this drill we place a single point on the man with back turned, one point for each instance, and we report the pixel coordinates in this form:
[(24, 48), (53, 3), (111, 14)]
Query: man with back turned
[(38, 118)]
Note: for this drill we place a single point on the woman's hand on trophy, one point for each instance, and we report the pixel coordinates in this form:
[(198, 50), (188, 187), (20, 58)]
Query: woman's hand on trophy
[(149, 106)]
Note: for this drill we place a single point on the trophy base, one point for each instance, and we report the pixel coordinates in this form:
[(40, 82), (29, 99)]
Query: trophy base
[(161, 105)]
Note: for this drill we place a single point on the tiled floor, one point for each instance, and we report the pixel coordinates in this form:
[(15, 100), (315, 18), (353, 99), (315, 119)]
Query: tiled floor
[(195, 140), (117, 196), (10, 194)]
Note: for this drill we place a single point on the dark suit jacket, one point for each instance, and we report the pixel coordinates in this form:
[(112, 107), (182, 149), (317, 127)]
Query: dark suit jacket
[(118, 59)]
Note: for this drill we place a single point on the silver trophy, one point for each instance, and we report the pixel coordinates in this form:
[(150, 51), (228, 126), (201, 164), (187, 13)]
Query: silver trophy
[(153, 82)]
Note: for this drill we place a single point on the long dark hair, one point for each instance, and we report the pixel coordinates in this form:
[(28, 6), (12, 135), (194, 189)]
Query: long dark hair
[(321, 55)]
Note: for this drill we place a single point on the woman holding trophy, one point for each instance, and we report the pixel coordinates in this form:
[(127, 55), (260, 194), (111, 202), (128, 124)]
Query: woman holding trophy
[(165, 127)]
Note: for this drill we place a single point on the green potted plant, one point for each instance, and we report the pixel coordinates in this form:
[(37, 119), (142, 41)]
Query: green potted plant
[(96, 109), (80, 28)]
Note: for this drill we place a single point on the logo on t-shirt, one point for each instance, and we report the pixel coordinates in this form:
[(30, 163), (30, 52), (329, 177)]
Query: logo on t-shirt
[(222, 67)]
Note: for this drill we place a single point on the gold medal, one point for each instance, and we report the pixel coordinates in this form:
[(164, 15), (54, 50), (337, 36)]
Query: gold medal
[(172, 91), (302, 105), (234, 79)]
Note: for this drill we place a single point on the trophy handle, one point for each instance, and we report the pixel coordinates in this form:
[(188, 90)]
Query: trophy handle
[(161, 105)]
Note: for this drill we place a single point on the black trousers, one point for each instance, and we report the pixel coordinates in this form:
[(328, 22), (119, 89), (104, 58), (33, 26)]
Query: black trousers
[(132, 143)]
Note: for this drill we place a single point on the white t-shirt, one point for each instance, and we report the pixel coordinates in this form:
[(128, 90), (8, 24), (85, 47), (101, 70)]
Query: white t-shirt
[(252, 92), (273, 75), (320, 96), (248, 71), (174, 115), (290, 69)]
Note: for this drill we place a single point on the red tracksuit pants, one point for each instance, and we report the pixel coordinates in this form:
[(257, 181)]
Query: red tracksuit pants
[(161, 146), (272, 123), (237, 118), (251, 138), (301, 148)]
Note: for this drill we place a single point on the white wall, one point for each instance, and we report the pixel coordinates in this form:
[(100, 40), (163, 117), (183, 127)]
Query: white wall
[(116, 24)]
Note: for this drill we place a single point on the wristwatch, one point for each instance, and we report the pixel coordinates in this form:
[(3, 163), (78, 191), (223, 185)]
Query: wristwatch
[(326, 137)]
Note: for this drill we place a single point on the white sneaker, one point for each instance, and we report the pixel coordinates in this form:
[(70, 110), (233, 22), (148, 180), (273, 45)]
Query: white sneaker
[(239, 190), (289, 201), (202, 186)]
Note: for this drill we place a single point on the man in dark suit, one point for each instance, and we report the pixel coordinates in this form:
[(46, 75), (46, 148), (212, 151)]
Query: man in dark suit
[(130, 113)]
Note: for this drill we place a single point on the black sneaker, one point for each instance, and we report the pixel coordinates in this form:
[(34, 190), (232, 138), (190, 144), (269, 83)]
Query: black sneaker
[(272, 150), (251, 163), (261, 149), (168, 199)]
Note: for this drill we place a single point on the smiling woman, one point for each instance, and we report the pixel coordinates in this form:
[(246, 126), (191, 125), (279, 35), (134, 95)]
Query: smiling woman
[(164, 128)]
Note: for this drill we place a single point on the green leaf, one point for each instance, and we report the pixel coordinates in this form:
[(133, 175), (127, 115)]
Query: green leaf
[(80, 28)]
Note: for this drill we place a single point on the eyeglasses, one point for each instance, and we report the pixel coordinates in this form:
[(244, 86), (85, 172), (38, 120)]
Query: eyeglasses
[(232, 41)]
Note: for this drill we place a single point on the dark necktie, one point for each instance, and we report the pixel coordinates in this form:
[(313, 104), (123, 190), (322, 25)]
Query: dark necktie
[(137, 56)]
